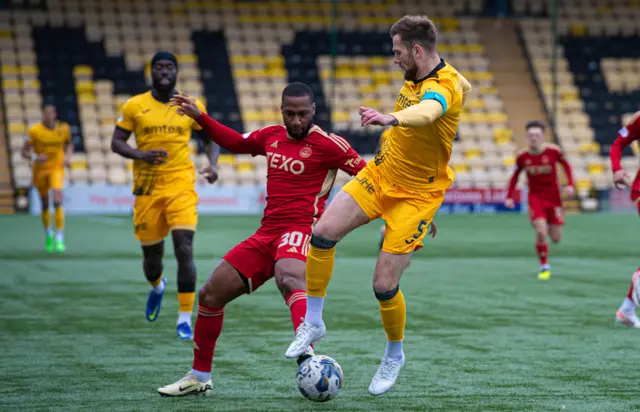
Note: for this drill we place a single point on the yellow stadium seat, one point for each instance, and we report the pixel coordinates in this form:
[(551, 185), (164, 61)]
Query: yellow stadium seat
[(11, 84), (578, 29), (226, 159), (371, 103), (24, 70), (472, 153), (584, 184), (82, 70), (244, 167), (509, 161), (18, 127), (78, 165), (459, 167), (595, 168), (367, 88), (86, 98), (502, 135), (590, 147), (6, 34), (340, 116), (187, 58), (10, 70), (85, 87)]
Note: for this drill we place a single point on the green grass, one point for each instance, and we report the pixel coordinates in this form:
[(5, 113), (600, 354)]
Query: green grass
[(483, 333)]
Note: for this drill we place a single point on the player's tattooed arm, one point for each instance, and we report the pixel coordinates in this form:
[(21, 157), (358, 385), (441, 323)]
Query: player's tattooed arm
[(213, 153), (120, 146)]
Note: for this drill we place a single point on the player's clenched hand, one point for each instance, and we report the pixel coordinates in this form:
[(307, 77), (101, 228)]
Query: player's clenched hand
[(509, 203), (621, 179), (369, 116), (210, 173), (433, 230), (154, 157), (186, 105)]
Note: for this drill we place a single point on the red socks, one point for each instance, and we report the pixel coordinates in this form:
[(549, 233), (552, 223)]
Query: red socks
[(543, 253), (207, 330), (633, 281), (297, 302)]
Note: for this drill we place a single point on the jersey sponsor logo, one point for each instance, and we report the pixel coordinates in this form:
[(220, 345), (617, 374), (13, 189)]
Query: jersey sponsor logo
[(305, 152), (403, 101), (353, 162), (163, 129), (539, 170), (624, 132), (282, 162), (364, 182)]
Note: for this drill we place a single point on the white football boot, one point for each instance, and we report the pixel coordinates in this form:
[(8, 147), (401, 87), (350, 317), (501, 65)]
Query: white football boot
[(627, 319), (189, 385), (306, 335), (386, 375)]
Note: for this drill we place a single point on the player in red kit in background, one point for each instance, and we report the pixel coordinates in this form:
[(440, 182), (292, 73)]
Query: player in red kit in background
[(626, 314), (545, 202), (302, 162)]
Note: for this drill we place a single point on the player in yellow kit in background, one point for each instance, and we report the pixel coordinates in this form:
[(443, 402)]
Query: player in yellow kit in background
[(164, 184), (50, 142), (404, 185)]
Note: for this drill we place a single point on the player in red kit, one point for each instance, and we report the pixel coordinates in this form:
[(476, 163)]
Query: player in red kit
[(302, 162), (545, 203), (626, 314)]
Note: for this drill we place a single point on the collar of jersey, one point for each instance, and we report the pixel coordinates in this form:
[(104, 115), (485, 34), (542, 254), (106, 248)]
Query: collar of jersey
[(155, 95), (433, 73)]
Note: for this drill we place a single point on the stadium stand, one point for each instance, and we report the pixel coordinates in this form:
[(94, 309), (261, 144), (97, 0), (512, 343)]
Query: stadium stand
[(597, 77)]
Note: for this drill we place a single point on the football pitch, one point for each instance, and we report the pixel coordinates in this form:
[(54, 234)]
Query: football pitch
[(483, 333)]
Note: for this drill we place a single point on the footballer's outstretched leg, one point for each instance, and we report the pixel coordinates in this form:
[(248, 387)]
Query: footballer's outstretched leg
[(341, 217), (393, 312), (183, 249), (152, 266), (290, 279), (45, 216), (542, 248), (223, 286), (626, 315), (58, 221)]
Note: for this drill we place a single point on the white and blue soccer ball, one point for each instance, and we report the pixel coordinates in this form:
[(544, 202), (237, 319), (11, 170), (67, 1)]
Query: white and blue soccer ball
[(320, 378)]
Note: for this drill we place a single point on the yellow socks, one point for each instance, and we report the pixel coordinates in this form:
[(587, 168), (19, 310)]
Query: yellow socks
[(185, 301), (319, 270), (156, 282), (393, 311), (45, 215), (59, 218)]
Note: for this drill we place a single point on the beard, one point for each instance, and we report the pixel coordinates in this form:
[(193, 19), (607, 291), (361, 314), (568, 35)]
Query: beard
[(411, 72), (164, 87), (299, 135)]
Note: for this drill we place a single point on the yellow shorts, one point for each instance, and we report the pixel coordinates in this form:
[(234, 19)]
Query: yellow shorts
[(172, 205), (407, 214), (48, 179)]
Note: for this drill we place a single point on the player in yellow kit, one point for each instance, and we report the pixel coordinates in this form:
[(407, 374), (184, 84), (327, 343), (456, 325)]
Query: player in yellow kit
[(164, 184), (404, 185), (50, 141)]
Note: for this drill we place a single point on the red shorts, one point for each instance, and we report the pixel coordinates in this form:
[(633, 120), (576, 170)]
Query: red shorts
[(550, 211), (635, 191), (256, 256)]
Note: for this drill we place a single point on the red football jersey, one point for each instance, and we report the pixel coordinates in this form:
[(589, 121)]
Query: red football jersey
[(542, 177), (300, 173), (626, 136)]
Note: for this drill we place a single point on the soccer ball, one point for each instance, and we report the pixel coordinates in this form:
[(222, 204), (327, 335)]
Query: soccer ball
[(319, 378)]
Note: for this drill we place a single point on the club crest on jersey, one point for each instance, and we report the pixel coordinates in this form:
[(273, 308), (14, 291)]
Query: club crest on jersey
[(305, 152)]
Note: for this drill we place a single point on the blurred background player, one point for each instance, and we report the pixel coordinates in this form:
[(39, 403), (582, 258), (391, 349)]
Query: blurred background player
[(626, 314), (404, 185), (164, 185), (302, 164), (544, 201), (50, 141)]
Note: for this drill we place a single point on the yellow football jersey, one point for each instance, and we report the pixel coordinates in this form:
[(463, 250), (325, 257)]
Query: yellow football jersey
[(157, 126), (50, 142), (417, 158)]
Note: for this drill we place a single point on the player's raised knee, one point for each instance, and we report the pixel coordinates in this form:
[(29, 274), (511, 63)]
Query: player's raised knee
[(555, 238), (385, 292)]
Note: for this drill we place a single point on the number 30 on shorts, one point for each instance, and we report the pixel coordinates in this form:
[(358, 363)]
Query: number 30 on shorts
[(296, 240)]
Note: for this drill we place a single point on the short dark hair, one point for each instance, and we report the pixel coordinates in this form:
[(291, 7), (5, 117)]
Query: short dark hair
[(416, 29), (535, 123), (298, 89)]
